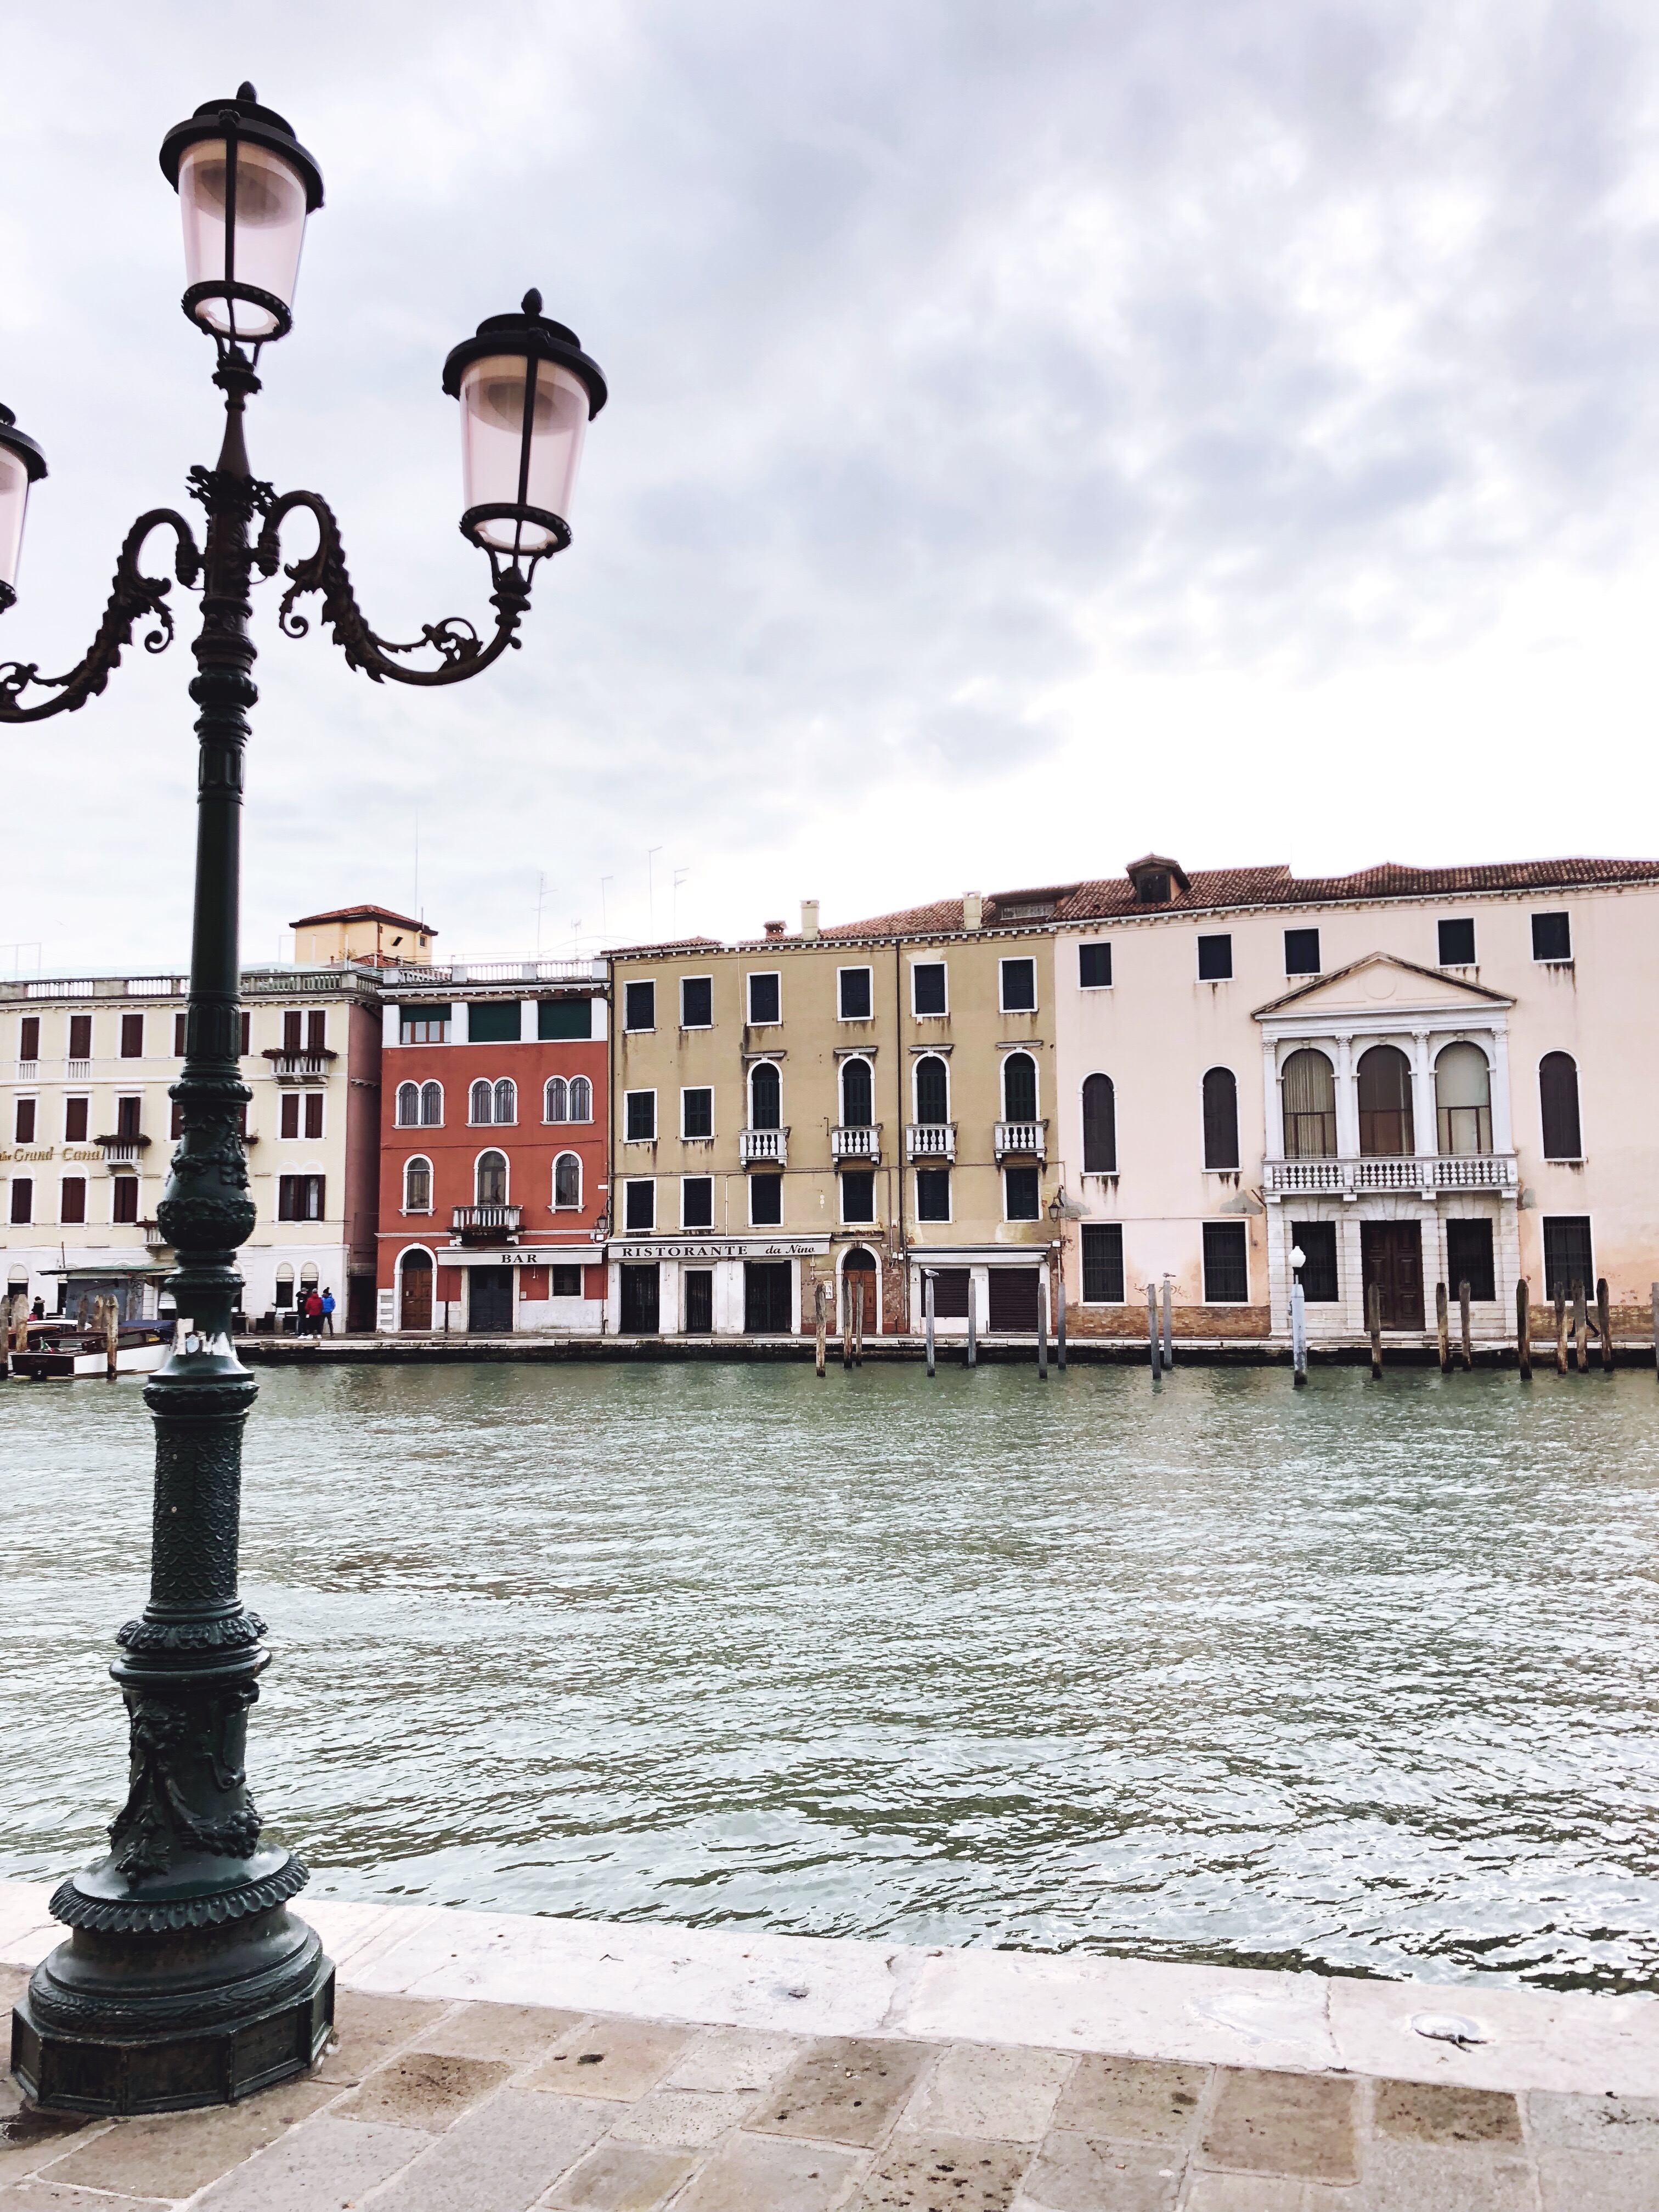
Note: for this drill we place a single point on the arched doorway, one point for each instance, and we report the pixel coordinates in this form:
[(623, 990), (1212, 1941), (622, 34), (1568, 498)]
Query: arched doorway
[(415, 1287), (859, 1266)]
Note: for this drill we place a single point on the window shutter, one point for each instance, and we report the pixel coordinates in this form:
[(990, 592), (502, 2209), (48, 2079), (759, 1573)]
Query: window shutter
[(314, 1113), (247, 1032), (1220, 1118), (74, 1207), (564, 1017), (132, 1037), (1099, 1125), (29, 1036), (292, 1027), (1558, 1091), (74, 1119), (317, 1030), (25, 1122), (126, 1198), (80, 1037), (180, 1028), (290, 1113)]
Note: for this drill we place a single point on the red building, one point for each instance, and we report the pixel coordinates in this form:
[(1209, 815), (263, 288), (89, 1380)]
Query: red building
[(493, 1114)]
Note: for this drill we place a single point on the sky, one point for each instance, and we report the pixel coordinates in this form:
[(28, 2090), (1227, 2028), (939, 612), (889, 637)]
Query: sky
[(1037, 435)]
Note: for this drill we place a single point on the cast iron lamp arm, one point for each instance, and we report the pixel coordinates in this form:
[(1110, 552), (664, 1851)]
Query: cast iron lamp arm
[(461, 652), (134, 598)]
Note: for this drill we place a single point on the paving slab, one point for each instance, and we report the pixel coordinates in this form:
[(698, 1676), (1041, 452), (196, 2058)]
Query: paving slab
[(518, 2035), (1303, 2125), (688, 2118), (1071, 2174), (614, 2058), (732, 2058), (30, 2139), (323, 2163), (423, 2089), (945, 2174), (1598, 2181), (977, 2089), (55, 2196), (1444, 2112), (621, 2177), (1137, 2100), (367, 2030), (1531, 2038), (1405, 2177), (176, 2154), (500, 2158), (846, 2090), (1599, 2123), (754, 2173)]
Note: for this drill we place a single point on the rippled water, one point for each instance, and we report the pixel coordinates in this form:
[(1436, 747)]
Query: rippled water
[(1357, 1677)]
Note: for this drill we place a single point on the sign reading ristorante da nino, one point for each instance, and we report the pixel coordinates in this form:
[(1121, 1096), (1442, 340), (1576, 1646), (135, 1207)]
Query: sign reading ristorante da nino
[(724, 1248)]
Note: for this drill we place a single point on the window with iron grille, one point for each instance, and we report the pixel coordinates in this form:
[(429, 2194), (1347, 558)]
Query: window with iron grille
[(1552, 937), (1215, 959), (1457, 944), (1316, 1242), (1567, 1256), (1226, 1264), (639, 1116), (1103, 1263), (1094, 967), (1469, 1259), (1302, 952), (566, 1283), (640, 1006)]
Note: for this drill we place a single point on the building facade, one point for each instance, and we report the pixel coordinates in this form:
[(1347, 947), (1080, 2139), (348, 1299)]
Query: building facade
[(493, 1142)]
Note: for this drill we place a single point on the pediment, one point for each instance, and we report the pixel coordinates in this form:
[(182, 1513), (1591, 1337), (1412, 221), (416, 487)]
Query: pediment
[(1381, 983)]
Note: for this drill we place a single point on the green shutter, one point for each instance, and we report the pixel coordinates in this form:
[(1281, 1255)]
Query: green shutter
[(496, 1022), (564, 1017)]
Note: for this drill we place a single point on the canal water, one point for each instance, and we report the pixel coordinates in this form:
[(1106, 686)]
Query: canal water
[(1357, 1678)]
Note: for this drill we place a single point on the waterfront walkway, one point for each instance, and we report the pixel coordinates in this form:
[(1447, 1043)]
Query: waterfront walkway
[(490, 2062)]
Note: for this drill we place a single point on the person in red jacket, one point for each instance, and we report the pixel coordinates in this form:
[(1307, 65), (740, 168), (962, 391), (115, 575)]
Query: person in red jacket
[(314, 1310)]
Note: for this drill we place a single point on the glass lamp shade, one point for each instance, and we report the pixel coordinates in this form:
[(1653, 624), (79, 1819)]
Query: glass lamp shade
[(245, 186), (22, 462), (528, 392)]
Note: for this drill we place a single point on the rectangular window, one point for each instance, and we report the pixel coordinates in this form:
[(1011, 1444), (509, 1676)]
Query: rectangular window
[(127, 1115), (29, 1036), (855, 999), (1215, 959), (639, 1116), (697, 1113), (1469, 1259), (23, 1133), (299, 1198), (22, 1199), (765, 1200), (765, 1001), (566, 1282), (79, 1036), (1316, 1242), (72, 1202), (927, 988), (1552, 937), (126, 1206), (640, 1006), (1226, 1264), (497, 1021), (1302, 952), (314, 1113), (293, 1030), (858, 1195), (563, 1018), (1094, 967), (639, 1207), (247, 1032), (418, 1025), (1457, 944), (132, 1037), (1567, 1256), (1019, 987), (317, 1029), (176, 1119), (696, 1002), (697, 1202), (180, 1024), (75, 1112), (289, 1111), (1103, 1263), (932, 1194), (1020, 1193)]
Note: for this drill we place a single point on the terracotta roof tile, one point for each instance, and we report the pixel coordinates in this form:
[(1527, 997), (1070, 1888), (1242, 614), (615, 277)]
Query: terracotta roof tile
[(366, 913)]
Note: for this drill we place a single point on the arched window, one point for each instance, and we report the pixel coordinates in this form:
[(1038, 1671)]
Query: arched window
[(581, 1099), (859, 1267), (1385, 1103), (567, 1180), (555, 1100), (1220, 1118), (285, 1284), (1558, 1096), (933, 1090), (308, 1278), (1099, 1125), (506, 1101), (765, 1097), (432, 1105), (418, 1185), (491, 1174), (1310, 1085), (481, 1104), (858, 1095), (1462, 1099), (409, 1105), (1019, 1096)]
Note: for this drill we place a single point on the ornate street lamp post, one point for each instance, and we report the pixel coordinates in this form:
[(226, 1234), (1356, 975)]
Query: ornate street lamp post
[(185, 1980)]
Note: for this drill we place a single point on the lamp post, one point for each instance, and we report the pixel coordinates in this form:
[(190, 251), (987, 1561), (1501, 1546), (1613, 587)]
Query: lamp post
[(184, 1979)]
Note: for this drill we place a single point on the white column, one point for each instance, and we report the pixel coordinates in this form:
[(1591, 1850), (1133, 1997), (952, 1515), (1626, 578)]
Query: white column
[(668, 1298), (1273, 1121), (1503, 1121), (1422, 1113), (1347, 1102), (527, 1019)]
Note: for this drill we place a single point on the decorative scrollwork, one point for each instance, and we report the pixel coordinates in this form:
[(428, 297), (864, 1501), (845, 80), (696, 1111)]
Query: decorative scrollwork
[(460, 652), (134, 598)]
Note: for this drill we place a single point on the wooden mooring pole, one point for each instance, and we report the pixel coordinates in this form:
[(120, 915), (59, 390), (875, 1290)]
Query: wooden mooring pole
[(858, 1322), (1463, 1322), (1042, 1329), (973, 1324), (928, 1312), (1604, 1324), (818, 1323), (1151, 1328), (1374, 1323), (1656, 1329), (1580, 1330), (1060, 1317), (1168, 1334), (846, 1324), (1560, 1328), (111, 1337), (1443, 1327), (1523, 1328)]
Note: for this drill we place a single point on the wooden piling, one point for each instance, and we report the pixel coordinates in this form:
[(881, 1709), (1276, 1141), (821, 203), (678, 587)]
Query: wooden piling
[(1373, 1322), (1464, 1321), (1060, 1317), (1604, 1324), (927, 1311), (973, 1324), (1168, 1334), (858, 1322), (1580, 1329), (1656, 1329), (1443, 1327), (1151, 1329), (1043, 1330), (846, 1325), (1523, 1328), (819, 1329), (1560, 1328), (111, 1337)]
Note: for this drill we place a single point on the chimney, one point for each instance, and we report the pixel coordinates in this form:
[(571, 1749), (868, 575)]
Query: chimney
[(808, 917), (774, 928), (973, 910)]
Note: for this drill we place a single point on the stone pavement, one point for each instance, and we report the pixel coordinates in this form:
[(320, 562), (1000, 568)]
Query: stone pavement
[(718, 2072)]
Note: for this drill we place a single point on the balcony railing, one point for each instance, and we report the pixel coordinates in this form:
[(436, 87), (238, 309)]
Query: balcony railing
[(1428, 1175), (767, 1148), (28, 1071), (930, 1140), (1031, 1138), (154, 1237), (122, 1151), (78, 1071), (856, 1144), (300, 1066), (499, 971), (486, 1223)]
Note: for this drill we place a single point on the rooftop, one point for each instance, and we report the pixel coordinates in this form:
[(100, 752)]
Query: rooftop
[(365, 913)]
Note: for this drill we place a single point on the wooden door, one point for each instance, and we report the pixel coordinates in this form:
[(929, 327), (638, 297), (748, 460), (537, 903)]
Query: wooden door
[(1013, 1301), (699, 1301), (766, 1297), (1391, 1256), (490, 1297), (416, 1278), (641, 1288)]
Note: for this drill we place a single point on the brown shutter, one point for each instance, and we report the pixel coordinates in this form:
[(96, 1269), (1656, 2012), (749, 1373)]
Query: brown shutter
[(75, 1121), (25, 1121), (1557, 1093), (127, 1111), (313, 1113), (28, 1037), (317, 1031), (180, 1029), (126, 1198), (290, 1113), (74, 1206), (79, 1036), (291, 1032), (248, 1025), (132, 1037)]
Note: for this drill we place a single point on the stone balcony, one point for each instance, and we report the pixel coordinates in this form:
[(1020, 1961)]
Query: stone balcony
[(856, 1144), (122, 1151), (763, 1148), (1017, 1139), (930, 1140), (300, 1066), (1429, 1175), (486, 1224)]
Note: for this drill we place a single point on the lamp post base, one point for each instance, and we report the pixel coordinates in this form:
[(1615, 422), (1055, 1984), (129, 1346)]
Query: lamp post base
[(123, 2023)]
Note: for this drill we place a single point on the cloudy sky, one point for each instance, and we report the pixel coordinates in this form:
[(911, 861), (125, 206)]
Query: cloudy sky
[(1037, 435)]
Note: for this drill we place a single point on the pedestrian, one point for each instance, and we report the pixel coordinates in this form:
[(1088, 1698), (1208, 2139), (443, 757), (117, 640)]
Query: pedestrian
[(38, 1311), (314, 1314), (328, 1309)]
